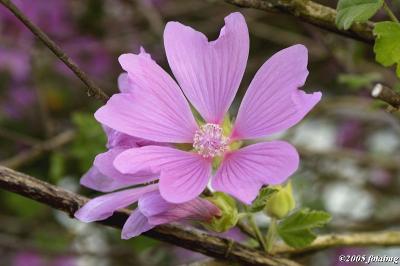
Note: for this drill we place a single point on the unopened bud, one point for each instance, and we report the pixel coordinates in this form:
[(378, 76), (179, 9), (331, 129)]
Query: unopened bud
[(229, 213), (281, 202)]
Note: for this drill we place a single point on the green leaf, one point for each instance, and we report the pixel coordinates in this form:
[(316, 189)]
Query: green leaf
[(387, 44), (358, 81), (295, 230), (57, 166), (90, 139), (22, 207), (259, 203), (350, 11)]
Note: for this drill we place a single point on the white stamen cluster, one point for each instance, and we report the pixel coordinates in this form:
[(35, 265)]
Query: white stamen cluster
[(209, 141)]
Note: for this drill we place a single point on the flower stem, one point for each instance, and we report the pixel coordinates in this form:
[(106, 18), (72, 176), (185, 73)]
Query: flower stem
[(271, 235), (255, 228), (257, 232), (390, 13)]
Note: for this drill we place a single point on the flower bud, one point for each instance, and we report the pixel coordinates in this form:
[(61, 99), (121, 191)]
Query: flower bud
[(228, 216), (281, 202)]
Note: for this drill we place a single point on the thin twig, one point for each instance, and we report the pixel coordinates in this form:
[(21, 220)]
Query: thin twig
[(18, 137), (178, 235), (362, 158), (390, 13), (245, 229), (257, 232), (313, 13), (386, 94), (385, 239), (152, 16), (32, 153), (93, 89)]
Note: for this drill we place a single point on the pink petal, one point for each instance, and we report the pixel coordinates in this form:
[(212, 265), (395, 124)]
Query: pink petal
[(209, 73), (117, 139), (124, 84), (152, 204), (135, 225), (183, 175), (155, 110), (105, 178), (94, 179), (105, 164), (244, 171), (158, 211), (120, 140), (273, 102), (103, 207)]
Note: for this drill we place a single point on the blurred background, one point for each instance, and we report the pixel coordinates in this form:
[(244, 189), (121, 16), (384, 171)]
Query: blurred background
[(349, 143)]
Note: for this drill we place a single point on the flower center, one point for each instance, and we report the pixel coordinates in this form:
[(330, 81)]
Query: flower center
[(209, 141)]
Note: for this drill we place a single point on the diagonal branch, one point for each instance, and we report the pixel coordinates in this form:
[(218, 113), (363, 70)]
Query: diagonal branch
[(39, 148), (313, 13), (179, 235), (93, 89)]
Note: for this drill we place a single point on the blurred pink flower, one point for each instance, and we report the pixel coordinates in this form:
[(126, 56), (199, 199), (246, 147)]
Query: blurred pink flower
[(16, 62), (350, 134), (381, 177), (33, 258), (51, 16), (27, 258), (64, 261), (16, 47), (90, 54), (209, 73), (17, 102)]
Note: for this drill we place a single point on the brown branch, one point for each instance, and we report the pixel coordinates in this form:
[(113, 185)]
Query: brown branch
[(38, 149), (178, 235), (192, 239), (153, 17), (386, 94), (18, 137), (93, 89), (385, 239), (313, 13)]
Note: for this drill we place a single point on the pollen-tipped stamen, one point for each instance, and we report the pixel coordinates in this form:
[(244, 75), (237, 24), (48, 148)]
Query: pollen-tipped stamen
[(209, 141)]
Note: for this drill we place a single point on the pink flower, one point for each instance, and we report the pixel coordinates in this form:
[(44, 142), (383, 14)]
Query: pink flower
[(103, 176), (152, 208), (209, 74)]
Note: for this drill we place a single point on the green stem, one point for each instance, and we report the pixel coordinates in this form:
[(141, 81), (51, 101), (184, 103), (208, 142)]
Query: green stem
[(255, 228), (390, 12), (271, 235), (257, 232)]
